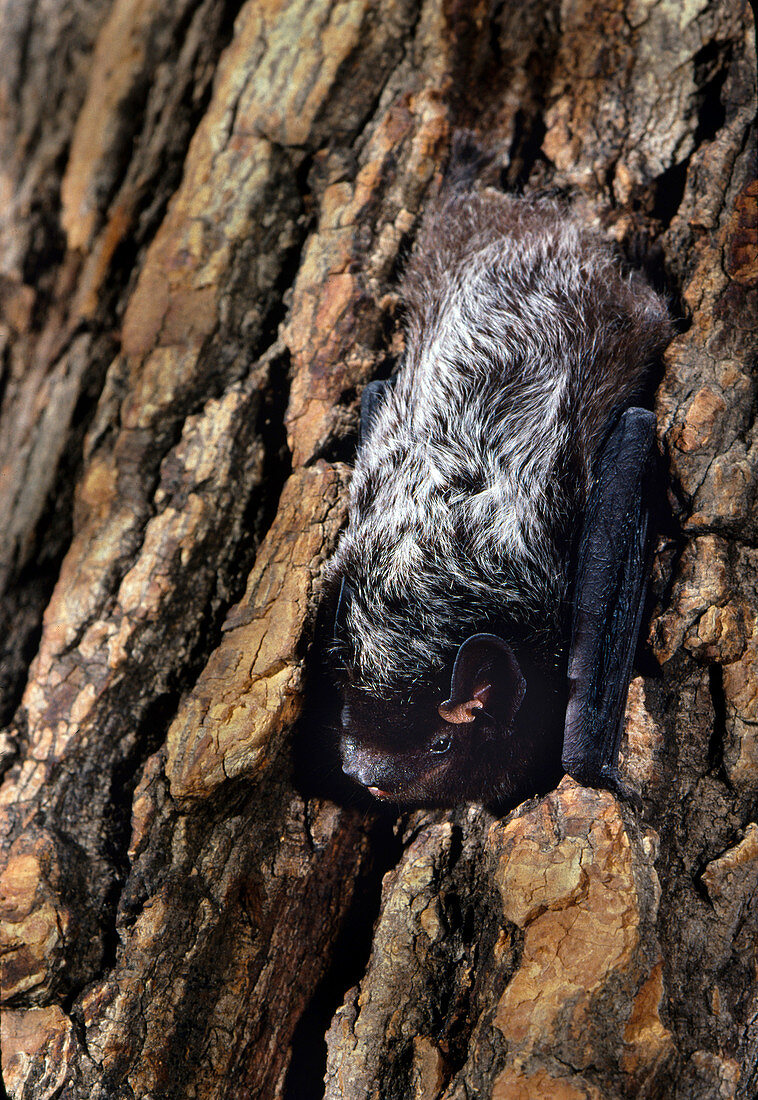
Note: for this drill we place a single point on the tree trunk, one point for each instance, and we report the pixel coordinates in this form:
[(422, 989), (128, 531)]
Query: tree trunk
[(203, 208)]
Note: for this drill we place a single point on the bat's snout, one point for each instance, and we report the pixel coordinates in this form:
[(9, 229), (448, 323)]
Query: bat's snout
[(368, 767)]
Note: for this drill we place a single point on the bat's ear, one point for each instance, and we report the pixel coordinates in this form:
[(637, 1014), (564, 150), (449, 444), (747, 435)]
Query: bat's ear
[(486, 676)]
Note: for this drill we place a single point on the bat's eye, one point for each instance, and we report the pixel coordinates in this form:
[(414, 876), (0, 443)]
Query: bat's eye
[(441, 744)]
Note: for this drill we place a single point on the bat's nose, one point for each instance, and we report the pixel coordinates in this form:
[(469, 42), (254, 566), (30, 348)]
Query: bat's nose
[(358, 769), (354, 770), (360, 764), (353, 760)]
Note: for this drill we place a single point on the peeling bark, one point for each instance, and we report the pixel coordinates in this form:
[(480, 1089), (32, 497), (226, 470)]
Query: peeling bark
[(203, 210)]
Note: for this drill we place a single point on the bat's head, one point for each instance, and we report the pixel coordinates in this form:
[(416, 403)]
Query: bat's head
[(451, 742)]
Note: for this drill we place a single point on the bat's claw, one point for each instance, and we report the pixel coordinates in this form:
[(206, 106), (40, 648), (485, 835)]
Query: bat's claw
[(614, 783)]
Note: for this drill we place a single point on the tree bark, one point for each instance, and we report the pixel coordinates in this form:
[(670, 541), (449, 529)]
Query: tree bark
[(203, 209)]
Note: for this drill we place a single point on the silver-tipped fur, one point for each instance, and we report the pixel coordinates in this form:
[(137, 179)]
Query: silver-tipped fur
[(524, 335)]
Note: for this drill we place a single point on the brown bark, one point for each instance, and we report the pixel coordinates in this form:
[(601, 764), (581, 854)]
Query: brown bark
[(203, 207)]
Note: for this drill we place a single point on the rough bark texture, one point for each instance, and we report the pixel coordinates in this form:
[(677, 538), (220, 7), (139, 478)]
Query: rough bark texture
[(203, 208)]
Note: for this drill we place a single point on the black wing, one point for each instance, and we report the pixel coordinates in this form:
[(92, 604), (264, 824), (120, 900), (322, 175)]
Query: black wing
[(610, 586)]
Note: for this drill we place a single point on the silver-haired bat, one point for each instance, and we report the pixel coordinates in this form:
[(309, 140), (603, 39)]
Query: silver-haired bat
[(489, 584)]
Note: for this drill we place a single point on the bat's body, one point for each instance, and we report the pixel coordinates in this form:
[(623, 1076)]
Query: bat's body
[(490, 577)]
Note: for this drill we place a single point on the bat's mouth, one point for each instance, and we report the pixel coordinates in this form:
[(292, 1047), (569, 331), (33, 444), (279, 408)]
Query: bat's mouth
[(422, 789), (377, 792)]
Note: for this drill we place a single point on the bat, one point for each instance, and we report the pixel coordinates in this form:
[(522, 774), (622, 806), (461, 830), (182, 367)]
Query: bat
[(489, 584)]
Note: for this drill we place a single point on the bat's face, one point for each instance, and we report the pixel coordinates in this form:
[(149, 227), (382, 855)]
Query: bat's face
[(435, 749), (396, 760)]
